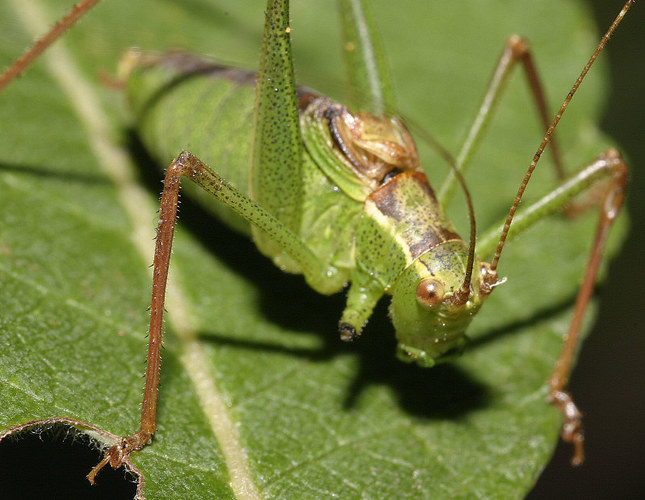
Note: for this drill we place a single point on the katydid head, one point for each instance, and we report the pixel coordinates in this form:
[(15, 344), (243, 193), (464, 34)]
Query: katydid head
[(436, 297), (403, 238), (429, 313)]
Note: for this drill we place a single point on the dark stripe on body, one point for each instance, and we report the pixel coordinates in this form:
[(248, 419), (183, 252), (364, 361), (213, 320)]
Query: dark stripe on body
[(417, 218)]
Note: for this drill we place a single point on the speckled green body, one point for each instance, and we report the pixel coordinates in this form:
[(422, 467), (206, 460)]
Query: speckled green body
[(222, 100), (341, 195), (402, 237)]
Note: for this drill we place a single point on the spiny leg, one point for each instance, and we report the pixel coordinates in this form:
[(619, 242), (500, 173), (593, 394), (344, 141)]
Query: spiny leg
[(190, 166), (116, 454), (275, 146)]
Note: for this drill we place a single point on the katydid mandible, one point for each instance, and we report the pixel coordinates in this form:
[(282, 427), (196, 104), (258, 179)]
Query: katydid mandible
[(359, 168)]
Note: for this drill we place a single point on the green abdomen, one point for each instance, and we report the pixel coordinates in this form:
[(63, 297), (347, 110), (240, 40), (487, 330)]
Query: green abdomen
[(182, 103)]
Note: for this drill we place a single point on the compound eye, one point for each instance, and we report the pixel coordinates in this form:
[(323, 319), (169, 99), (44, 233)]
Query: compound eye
[(429, 292)]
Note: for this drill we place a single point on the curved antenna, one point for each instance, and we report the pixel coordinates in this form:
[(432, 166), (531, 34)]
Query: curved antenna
[(461, 296), (549, 133)]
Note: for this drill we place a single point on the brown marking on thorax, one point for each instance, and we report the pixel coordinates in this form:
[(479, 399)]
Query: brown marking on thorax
[(409, 200)]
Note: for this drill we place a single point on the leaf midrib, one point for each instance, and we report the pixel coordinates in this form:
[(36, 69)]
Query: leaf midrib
[(114, 162)]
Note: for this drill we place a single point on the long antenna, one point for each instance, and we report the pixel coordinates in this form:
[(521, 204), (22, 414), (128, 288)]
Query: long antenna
[(549, 133)]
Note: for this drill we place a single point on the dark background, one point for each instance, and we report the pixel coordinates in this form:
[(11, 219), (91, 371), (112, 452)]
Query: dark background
[(609, 378)]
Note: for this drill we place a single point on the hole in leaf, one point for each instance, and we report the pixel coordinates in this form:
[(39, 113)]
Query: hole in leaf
[(51, 461)]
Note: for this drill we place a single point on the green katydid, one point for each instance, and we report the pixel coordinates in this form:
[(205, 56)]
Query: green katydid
[(355, 316)]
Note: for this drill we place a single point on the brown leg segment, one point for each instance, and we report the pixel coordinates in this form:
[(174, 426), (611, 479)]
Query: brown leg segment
[(610, 206), (609, 209), (187, 165)]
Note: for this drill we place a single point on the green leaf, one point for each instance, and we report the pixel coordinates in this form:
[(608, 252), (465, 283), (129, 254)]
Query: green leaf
[(253, 365)]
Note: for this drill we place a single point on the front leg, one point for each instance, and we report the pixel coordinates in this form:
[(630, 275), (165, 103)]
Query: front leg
[(191, 167)]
